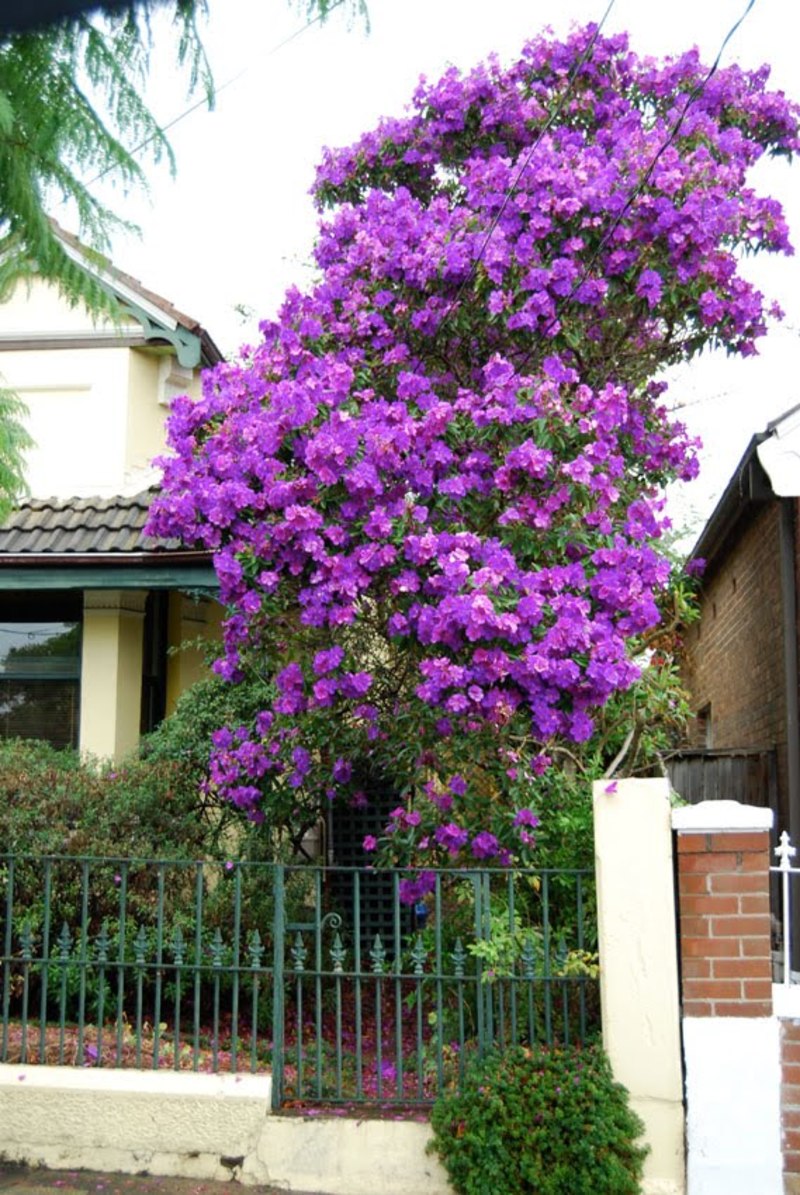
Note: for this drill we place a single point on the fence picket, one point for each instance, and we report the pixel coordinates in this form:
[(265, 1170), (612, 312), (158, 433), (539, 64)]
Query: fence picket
[(231, 966)]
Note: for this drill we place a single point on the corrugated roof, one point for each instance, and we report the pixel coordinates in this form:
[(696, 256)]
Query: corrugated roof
[(80, 526)]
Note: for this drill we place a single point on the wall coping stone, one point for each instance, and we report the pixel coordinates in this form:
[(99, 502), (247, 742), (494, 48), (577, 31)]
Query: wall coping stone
[(715, 817)]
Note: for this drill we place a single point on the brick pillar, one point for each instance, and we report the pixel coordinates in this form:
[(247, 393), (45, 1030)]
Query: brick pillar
[(731, 1042), (725, 936)]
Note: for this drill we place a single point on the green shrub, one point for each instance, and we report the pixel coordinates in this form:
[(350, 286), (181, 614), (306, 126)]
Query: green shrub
[(54, 802), (549, 1121)]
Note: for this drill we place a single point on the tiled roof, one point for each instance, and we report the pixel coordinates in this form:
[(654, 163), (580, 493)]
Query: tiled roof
[(80, 526)]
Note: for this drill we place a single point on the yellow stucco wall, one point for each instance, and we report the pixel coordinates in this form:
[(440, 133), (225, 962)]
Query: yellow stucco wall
[(190, 620), (639, 965), (111, 672)]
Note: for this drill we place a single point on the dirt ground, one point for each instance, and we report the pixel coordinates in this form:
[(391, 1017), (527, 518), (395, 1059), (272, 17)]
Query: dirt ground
[(91, 1182)]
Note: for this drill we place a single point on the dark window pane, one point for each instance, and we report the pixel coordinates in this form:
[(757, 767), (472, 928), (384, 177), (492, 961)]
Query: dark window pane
[(40, 649), (46, 710)]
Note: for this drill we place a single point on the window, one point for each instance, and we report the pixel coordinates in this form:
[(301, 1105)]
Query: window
[(40, 672)]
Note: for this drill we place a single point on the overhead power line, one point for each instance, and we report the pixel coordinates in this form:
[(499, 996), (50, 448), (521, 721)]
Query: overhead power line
[(228, 83), (523, 165), (693, 95)]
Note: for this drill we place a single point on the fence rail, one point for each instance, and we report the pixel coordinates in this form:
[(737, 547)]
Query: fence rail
[(347, 984)]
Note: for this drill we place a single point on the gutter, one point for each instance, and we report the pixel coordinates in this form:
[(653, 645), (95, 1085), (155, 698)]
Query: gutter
[(166, 558)]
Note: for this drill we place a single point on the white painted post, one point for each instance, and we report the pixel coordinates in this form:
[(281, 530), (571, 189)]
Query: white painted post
[(786, 852), (639, 965)]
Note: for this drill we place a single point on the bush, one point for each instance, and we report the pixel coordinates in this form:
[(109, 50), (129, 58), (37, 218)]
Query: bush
[(548, 1120), (54, 802)]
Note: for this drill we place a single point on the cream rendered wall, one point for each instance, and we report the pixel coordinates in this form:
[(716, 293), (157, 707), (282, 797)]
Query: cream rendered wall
[(76, 396), (189, 620), (154, 378), (111, 672), (97, 414), (639, 989)]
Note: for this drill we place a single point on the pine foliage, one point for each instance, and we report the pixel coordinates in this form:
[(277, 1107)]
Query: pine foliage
[(14, 441), (71, 112)]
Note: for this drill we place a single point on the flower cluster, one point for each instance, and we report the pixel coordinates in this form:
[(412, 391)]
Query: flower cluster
[(432, 491)]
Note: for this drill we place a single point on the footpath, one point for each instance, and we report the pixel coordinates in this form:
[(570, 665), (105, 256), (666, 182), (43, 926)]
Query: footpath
[(91, 1182)]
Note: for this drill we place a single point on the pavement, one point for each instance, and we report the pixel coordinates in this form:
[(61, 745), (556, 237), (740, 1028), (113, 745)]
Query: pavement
[(36, 1181)]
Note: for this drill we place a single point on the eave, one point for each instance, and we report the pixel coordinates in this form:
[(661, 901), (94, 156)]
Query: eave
[(134, 570)]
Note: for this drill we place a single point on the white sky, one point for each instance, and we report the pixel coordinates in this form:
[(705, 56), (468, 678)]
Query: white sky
[(236, 224)]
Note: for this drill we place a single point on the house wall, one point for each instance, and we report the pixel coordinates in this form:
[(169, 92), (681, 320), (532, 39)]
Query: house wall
[(154, 379), (96, 411), (733, 656), (75, 395)]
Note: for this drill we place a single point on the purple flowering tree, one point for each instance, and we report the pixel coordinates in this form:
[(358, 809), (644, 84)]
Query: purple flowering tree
[(434, 490)]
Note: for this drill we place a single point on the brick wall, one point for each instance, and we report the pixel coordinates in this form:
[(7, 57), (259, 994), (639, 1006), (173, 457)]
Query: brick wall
[(790, 1095), (723, 890), (732, 658)]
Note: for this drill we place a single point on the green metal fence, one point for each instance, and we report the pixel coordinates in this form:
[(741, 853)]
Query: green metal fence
[(349, 985)]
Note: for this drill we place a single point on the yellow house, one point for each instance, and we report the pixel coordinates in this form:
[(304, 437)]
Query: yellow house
[(89, 607)]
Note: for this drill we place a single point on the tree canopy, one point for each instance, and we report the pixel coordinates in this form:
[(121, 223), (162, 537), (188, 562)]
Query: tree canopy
[(434, 490)]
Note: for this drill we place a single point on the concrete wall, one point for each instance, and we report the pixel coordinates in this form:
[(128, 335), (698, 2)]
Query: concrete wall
[(639, 965), (205, 1127)]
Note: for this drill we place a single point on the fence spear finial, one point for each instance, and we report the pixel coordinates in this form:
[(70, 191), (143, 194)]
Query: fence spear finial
[(785, 852)]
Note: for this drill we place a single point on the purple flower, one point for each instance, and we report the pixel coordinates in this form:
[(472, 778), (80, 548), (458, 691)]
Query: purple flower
[(526, 817), (451, 837), (484, 845), (650, 286)]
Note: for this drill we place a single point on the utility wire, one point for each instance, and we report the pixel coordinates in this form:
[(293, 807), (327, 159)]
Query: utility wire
[(523, 165), (223, 86), (694, 94)]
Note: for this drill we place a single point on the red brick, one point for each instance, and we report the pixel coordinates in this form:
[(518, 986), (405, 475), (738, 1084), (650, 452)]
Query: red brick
[(719, 904), (695, 927), (693, 844), (741, 968), (712, 989), (758, 989), (697, 968), (791, 1140), (741, 926), (790, 1073), (739, 882), (746, 1008), (702, 864), (754, 904), (790, 1098), (697, 1008), (711, 947), (791, 1162), (753, 861), (757, 840), (756, 947), (692, 885)]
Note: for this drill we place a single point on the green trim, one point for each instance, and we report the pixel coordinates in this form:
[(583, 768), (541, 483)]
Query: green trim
[(200, 577), (185, 343)]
